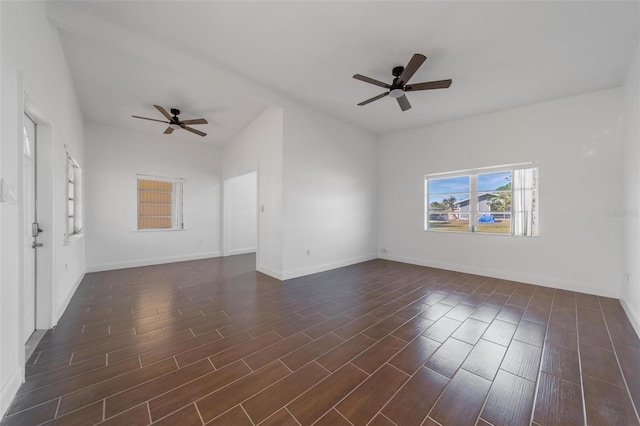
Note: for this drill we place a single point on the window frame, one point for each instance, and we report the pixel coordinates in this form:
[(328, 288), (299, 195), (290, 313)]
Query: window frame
[(73, 179), (177, 202), (474, 193)]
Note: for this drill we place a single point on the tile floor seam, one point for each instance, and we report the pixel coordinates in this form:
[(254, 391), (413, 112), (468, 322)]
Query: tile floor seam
[(449, 383), (290, 413), (120, 391), (407, 381), (584, 401), (339, 413), (194, 404), (539, 374), (615, 353), (399, 286), (32, 407)]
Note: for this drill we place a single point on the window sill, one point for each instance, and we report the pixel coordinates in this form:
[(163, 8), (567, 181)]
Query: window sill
[(478, 233), (160, 230), (68, 239)]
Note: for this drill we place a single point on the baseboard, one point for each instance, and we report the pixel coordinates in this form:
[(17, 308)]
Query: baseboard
[(242, 251), (9, 389), (68, 297), (540, 280), (632, 314), (269, 271), (287, 275), (148, 262)]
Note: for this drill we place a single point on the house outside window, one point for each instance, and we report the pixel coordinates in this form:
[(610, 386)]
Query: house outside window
[(159, 203), (500, 200)]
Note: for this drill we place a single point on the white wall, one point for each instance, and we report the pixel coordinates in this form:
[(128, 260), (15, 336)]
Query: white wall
[(259, 148), (113, 159), (240, 214), (577, 144), (31, 56), (330, 196), (630, 292)]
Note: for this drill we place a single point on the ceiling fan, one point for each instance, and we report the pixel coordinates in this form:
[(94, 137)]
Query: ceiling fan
[(175, 123), (399, 86)]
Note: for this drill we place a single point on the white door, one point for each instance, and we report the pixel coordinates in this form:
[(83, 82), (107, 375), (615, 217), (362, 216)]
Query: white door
[(29, 218)]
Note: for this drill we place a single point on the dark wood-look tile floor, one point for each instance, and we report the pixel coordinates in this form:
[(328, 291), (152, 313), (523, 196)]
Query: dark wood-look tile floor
[(379, 343)]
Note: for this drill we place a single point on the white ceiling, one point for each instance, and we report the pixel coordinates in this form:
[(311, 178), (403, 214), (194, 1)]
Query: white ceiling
[(226, 61)]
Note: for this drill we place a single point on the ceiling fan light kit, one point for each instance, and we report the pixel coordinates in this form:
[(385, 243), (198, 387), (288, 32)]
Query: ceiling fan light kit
[(399, 86), (396, 93), (175, 123)]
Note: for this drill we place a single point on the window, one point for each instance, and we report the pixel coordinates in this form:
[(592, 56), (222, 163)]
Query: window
[(74, 197), (499, 200), (159, 203), (448, 203)]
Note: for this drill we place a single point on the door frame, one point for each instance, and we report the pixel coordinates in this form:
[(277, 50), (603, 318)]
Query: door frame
[(226, 213), (29, 104)]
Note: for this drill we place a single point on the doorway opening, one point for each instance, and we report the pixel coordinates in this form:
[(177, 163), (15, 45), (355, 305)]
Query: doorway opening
[(240, 218)]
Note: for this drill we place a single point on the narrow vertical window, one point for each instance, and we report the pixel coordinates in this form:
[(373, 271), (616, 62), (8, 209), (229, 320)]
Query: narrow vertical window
[(159, 203), (74, 197)]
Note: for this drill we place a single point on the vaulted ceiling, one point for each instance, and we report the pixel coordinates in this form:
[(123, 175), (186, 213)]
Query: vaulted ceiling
[(228, 61)]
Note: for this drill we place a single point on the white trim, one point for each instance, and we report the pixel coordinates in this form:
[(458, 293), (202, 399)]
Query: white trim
[(632, 314), (10, 389), (160, 178), (242, 251), (483, 170), (62, 306), (154, 261), (268, 271), (287, 275), (558, 283)]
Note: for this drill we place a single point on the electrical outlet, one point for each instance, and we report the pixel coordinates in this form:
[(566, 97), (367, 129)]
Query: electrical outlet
[(308, 252), (383, 250)]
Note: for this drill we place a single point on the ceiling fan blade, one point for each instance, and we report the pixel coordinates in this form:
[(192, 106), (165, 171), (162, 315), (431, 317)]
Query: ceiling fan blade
[(196, 121), (416, 61), (375, 98), (192, 130), (371, 81), (168, 131), (404, 103), (152, 119), (163, 112), (440, 84)]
